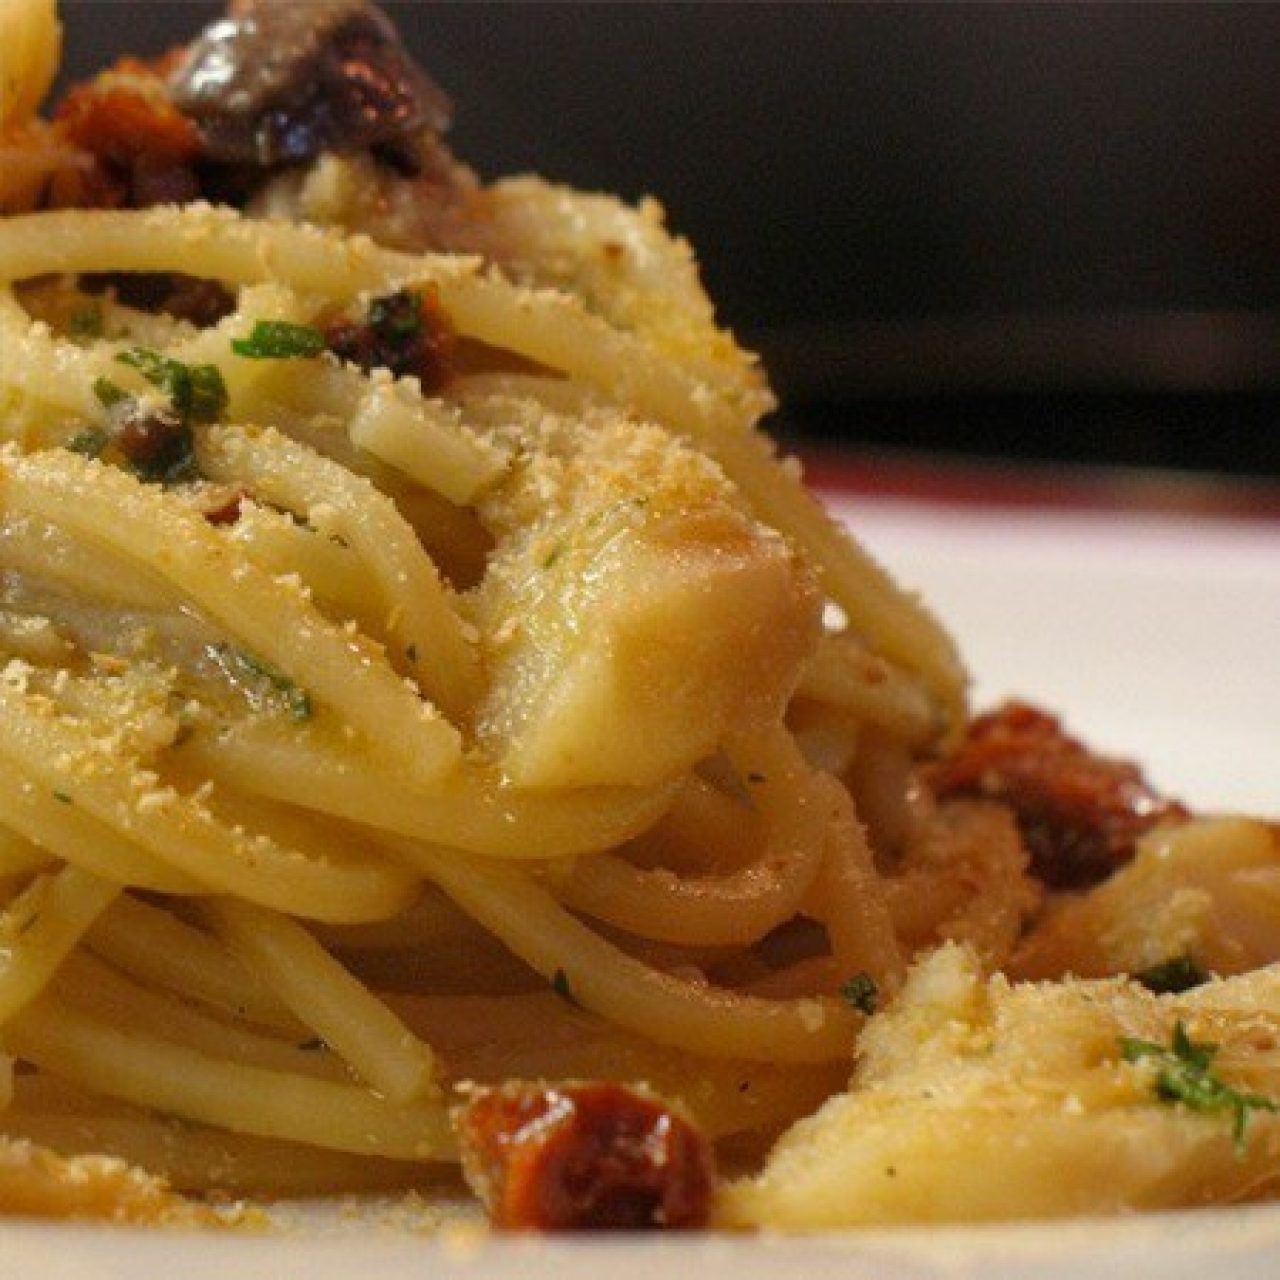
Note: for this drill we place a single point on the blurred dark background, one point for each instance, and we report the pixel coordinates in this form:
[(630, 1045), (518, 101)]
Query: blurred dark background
[(1038, 231)]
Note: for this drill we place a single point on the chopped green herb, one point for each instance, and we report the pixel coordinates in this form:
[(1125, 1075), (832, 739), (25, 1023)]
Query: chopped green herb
[(1180, 973), (86, 323), (90, 442), (398, 315), (156, 441), (208, 397), (63, 798), (1184, 1075), (560, 985), (603, 515), (197, 391), (157, 369), (280, 340), (313, 1046), (554, 554), (281, 690), (861, 993), (171, 376), (756, 778), (108, 393)]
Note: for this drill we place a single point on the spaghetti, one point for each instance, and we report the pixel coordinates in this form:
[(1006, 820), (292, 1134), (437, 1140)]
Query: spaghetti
[(418, 668)]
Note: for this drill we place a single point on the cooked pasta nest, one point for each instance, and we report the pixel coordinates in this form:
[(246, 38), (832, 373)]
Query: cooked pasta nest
[(362, 739)]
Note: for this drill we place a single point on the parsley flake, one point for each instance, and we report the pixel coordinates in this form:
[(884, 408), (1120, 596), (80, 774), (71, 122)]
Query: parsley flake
[(62, 798), (268, 685), (208, 397), (861, 993), (280, 340), (155, 442), (197, 391), (90, 442), (1172, 976), (1184, 1075), (109, 394), (398, 315), (86, 323), (560, 985)]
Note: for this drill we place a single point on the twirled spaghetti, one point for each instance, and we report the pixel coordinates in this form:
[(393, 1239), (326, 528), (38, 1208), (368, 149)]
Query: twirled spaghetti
[(419, 669)]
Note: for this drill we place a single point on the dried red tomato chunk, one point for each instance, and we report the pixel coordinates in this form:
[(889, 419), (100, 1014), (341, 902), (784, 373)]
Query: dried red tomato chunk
[(201, 302), (590, 1156), (125, 112), (406, 332), (127, 121), (226, 509), (1080, 813)]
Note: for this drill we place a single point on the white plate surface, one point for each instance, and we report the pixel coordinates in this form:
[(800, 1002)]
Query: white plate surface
[(1155, 638)]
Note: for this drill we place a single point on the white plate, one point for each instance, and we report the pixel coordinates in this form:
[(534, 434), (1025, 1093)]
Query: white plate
[(1154, 637), (1157, 639)]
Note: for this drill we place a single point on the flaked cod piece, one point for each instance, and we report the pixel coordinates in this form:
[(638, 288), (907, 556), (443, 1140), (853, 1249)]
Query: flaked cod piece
[(1205, 892), (980, 1099), (34, 1182), (634, 614)]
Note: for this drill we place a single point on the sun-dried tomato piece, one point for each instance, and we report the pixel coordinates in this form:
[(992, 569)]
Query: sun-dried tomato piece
[(126, 119), (201, 302), (406, 332), (155, 442), (226, 509), (154, 181), (593, 1156), (1080, 813), (126, 112)]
